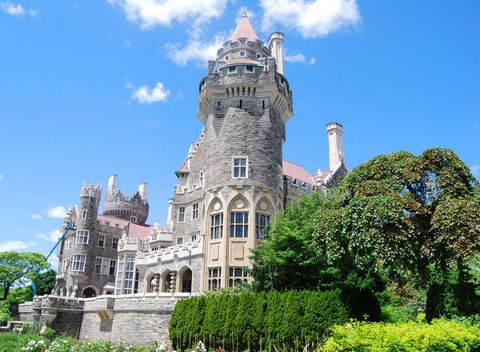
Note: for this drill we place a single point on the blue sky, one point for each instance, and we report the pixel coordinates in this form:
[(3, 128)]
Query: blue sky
[(94, 87)]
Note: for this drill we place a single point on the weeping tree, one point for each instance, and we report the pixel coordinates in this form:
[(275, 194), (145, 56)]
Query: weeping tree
[(407, 216)]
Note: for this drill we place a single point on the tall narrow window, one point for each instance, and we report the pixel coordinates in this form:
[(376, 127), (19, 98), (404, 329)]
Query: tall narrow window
[(239, 167), (79, 262), (214, 278), (195, 211), (101, 241), (238, 224), (241, 103), (98, 265), (84, 215), (113, 264), (263, 104), (115, 243), (82, 236), (129, 274), (261, 223), (181, 214), (216, 228)]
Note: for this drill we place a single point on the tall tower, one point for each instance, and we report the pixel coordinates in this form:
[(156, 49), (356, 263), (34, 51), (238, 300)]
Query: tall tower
[(234, 171), (335, 144)]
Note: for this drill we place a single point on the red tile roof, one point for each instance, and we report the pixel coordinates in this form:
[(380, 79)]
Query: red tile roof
[(112, 221), (184, 168), (138, 231), (297, 172), (244, 30)]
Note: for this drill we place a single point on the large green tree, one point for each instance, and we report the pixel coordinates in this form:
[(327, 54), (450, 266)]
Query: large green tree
[(17, 268), (288, 259), (410, 216)]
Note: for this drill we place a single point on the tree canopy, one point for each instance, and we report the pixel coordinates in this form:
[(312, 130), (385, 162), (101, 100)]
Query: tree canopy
[(17, 268), (398, 217)]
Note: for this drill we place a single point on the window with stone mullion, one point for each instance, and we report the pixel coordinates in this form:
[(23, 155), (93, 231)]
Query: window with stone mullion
[(261, 223), (239, 224), (216, 227)]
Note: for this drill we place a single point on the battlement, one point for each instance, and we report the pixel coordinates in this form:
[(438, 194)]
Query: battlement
[(117, 204), (89, 190)]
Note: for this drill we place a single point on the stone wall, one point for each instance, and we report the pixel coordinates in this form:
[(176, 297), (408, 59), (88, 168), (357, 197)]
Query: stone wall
[(140, 318), (25, 311), (129, 319)]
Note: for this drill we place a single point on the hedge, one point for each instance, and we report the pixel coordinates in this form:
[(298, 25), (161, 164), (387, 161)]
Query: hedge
[(441, 335), (256, 321)]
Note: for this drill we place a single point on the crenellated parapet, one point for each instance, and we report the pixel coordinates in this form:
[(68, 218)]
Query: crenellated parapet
[(117, 204)]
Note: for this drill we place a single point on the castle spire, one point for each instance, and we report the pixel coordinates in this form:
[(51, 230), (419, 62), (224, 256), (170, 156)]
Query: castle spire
[(244, 30)]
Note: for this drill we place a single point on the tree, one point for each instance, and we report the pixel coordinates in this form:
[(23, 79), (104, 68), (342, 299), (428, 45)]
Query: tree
[(16, 268), (45, 282), (407, 215), (288, 259)]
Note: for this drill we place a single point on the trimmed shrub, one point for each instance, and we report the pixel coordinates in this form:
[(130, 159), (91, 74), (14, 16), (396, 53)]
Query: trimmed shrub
[(441, 335), (239, 321)]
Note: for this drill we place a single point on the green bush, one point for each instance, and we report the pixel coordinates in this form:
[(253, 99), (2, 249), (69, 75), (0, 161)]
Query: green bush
[(4, 312), (244, 320), (441, 335)]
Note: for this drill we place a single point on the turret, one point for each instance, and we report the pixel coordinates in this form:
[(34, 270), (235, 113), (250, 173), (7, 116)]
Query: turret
[(275, 43), (335, 145), (133, 209)]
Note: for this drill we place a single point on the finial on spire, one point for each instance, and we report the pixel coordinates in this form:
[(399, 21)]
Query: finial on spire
[(245, 14)]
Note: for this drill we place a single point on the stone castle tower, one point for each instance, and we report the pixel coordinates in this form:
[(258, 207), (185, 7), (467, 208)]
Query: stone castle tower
[(231, 183)]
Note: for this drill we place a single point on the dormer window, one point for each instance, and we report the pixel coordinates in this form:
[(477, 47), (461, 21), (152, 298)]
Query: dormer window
[(133, 219), (226, 58), (242, 53)]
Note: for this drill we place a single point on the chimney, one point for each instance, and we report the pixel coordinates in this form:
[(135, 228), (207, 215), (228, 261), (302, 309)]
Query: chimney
[(170, 213), (335, 145), (112, 182), (276, 49), (142, 189)]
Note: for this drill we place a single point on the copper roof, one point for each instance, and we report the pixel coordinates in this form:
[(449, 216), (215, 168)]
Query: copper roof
[(244, 30)]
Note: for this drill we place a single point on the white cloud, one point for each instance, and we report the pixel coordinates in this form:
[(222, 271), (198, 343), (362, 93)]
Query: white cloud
[(36, 217), (312, 61), (150, 13), (16, 10), (57, 212), (294, 58), (311, 18), (475, 169), (145, 95), (51, 236), (13, 246), (196, 50)]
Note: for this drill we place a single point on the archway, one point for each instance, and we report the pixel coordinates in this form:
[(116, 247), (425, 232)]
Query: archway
[(168, 281), (89, 292), (186, 281)]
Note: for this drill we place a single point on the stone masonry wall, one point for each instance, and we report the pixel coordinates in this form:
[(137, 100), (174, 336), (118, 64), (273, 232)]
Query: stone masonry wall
[(140, 318), (129, 319)]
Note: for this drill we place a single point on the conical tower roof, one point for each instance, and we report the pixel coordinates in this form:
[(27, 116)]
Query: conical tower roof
[(244, 30)]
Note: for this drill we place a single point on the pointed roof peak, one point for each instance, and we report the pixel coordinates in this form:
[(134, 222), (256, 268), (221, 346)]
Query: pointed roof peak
[(244, 30)]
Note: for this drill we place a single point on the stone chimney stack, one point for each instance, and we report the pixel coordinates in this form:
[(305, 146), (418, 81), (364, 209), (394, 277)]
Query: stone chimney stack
[(335, 145), (142, 190), (112, 182), (276, 49)]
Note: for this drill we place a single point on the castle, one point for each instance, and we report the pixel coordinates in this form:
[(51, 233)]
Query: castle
[(231, 184)]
